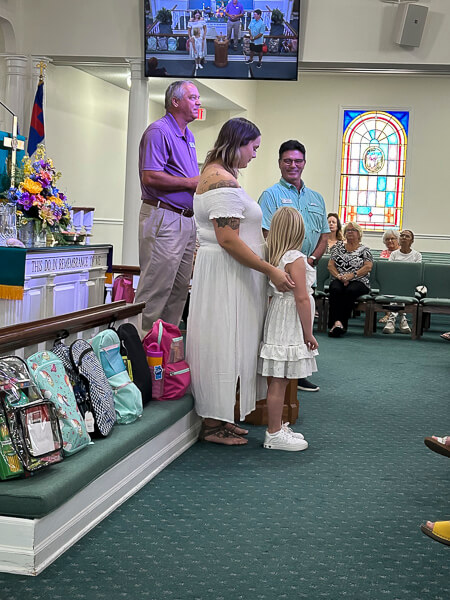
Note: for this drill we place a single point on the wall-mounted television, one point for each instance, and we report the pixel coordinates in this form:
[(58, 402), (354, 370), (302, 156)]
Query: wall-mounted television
[(222, 39)]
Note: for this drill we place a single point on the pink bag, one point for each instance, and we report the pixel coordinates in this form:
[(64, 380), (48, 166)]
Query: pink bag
[(176, 372), (123, 289)]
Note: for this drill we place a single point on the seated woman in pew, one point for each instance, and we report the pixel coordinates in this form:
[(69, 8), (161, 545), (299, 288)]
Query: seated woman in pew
[(349, 265), (335, 226), (404, 254), (391, 239)]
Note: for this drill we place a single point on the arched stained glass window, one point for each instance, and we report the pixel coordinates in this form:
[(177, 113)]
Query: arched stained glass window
[(373, 168)]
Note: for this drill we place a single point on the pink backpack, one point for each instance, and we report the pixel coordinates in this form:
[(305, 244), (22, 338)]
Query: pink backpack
[(176, 372), (123, 289)]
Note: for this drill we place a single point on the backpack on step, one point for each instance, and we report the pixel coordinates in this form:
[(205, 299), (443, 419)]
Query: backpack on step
[(127, 396), (53, 382), (176, 373), (29, 428), (135, 358), (78, 385), (123, 289), (100, 394)]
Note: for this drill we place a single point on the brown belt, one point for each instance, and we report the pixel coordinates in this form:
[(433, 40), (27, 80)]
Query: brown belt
[(186, 212)]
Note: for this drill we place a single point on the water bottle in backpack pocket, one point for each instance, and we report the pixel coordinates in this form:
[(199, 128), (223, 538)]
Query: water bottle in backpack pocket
[(52, 380), (167, 338), (127, 396)]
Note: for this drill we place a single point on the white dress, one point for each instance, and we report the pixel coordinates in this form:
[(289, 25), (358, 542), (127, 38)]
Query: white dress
[(226, 311), (283, 352)]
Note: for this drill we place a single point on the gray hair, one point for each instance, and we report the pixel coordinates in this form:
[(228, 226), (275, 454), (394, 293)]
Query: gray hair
[(391, 232), (175, 90)]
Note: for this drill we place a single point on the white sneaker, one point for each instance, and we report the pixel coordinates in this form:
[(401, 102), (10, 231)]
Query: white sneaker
[(403, 325), (282, 440), (200, 66), (390, 326), (298, 435)]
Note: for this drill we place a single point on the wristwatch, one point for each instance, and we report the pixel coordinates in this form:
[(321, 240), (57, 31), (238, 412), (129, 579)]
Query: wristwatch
[(315, 260)]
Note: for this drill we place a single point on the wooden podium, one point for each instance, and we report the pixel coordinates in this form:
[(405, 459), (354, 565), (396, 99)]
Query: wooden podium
[(259, 415)]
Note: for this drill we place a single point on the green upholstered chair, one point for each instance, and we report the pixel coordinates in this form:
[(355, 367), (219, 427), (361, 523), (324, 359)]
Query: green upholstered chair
[(364, 302), (397, 282), (321, 293), (436, 278)]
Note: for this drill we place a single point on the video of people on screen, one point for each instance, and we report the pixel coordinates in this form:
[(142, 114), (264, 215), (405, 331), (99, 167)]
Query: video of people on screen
[(226, 39)]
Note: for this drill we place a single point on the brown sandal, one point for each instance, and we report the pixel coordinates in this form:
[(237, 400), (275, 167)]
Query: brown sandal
[(221, 432), (233, 427)]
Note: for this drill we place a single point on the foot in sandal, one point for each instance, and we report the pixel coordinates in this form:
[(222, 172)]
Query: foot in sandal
[(236, 428), (220, 434), (441, 445), (446, 336), (439, 531)]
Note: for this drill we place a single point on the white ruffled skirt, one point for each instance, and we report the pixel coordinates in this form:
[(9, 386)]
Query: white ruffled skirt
[(283, 352)]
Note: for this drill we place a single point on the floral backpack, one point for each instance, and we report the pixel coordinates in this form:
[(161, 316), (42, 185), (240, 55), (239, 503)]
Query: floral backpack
[(175, 370), (53, 382)]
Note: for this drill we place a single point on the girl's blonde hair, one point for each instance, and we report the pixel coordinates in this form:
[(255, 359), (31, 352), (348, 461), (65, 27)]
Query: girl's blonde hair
[(196, 32), (287, 232)]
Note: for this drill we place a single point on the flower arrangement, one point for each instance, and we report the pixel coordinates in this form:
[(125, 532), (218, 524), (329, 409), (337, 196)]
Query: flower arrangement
[(37, 198)]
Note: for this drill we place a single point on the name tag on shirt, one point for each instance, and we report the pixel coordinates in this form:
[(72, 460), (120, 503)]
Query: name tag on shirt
[(286, 201), (192, 144)]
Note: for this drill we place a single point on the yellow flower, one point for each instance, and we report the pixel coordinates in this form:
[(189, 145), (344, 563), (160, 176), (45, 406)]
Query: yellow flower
[(46, 215), (33, 187)]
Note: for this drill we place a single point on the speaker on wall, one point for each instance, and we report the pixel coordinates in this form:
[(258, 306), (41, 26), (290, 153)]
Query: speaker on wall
[(409, 24)]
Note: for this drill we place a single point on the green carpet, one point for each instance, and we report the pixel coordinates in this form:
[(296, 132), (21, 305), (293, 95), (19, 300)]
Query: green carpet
[(340, 520)]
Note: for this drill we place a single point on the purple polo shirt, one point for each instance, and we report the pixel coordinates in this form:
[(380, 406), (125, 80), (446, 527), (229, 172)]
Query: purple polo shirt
[(164, 148), (234, 9)]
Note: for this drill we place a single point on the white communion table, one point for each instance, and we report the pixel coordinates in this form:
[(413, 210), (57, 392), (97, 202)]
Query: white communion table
[(59, 280)]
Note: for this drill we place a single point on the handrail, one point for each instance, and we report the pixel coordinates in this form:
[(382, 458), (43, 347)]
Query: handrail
[(26, 334), (126, 269)]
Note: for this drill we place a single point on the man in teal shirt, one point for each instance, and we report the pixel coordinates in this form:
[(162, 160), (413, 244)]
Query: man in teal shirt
[(256, 29), (291, 191)]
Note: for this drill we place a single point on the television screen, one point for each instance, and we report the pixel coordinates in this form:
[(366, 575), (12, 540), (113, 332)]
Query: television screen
[(222, 39)]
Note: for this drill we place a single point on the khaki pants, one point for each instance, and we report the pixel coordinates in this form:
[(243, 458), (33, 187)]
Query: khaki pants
[(235, 28), (166, 251)]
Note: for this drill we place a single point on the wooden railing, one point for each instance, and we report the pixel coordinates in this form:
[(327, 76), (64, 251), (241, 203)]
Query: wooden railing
[(23, 335)]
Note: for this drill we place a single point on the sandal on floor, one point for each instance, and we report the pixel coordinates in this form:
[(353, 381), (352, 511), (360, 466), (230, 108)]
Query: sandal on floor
[(440, 532), (221, 432), (446, 336), (440, 445)]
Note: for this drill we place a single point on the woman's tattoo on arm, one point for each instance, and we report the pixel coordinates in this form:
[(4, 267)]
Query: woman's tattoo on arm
[(231, 222), (223, 184)]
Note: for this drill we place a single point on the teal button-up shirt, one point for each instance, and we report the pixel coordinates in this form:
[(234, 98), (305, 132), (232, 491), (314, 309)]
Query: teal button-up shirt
[(256, 27), (309, 203)]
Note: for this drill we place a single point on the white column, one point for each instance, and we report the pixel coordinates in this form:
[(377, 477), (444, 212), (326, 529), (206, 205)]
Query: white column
[(137, 122), (16, 81)]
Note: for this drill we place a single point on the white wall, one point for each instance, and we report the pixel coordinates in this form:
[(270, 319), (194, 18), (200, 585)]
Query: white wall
[(362, 31), (345, 30), (309, 110), (85, 134)]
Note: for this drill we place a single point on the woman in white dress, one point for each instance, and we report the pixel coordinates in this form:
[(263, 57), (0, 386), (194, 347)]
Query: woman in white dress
[(197, 48), (228, 297)]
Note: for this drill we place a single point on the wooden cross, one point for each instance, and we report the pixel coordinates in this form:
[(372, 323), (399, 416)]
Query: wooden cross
[(15, 144)]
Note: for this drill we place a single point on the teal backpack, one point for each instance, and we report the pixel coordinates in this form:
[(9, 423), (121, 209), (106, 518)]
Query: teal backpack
[(50, 377), (127, 396)]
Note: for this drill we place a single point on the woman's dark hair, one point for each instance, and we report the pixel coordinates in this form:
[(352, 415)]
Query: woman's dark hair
[(234, 134), (199, 12), (339, 235)]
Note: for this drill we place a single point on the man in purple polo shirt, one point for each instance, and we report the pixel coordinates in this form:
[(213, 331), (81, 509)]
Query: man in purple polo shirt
[(168, 171), (234, 12)]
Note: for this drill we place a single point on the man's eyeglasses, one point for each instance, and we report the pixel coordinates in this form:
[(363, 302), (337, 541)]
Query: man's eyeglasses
[(296, 161)]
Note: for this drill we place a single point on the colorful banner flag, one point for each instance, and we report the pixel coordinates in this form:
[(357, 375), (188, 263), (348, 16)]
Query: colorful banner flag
[(37, 132)]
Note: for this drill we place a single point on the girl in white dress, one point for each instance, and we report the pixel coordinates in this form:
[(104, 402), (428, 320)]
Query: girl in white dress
[(289, 347), (228, 297)]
